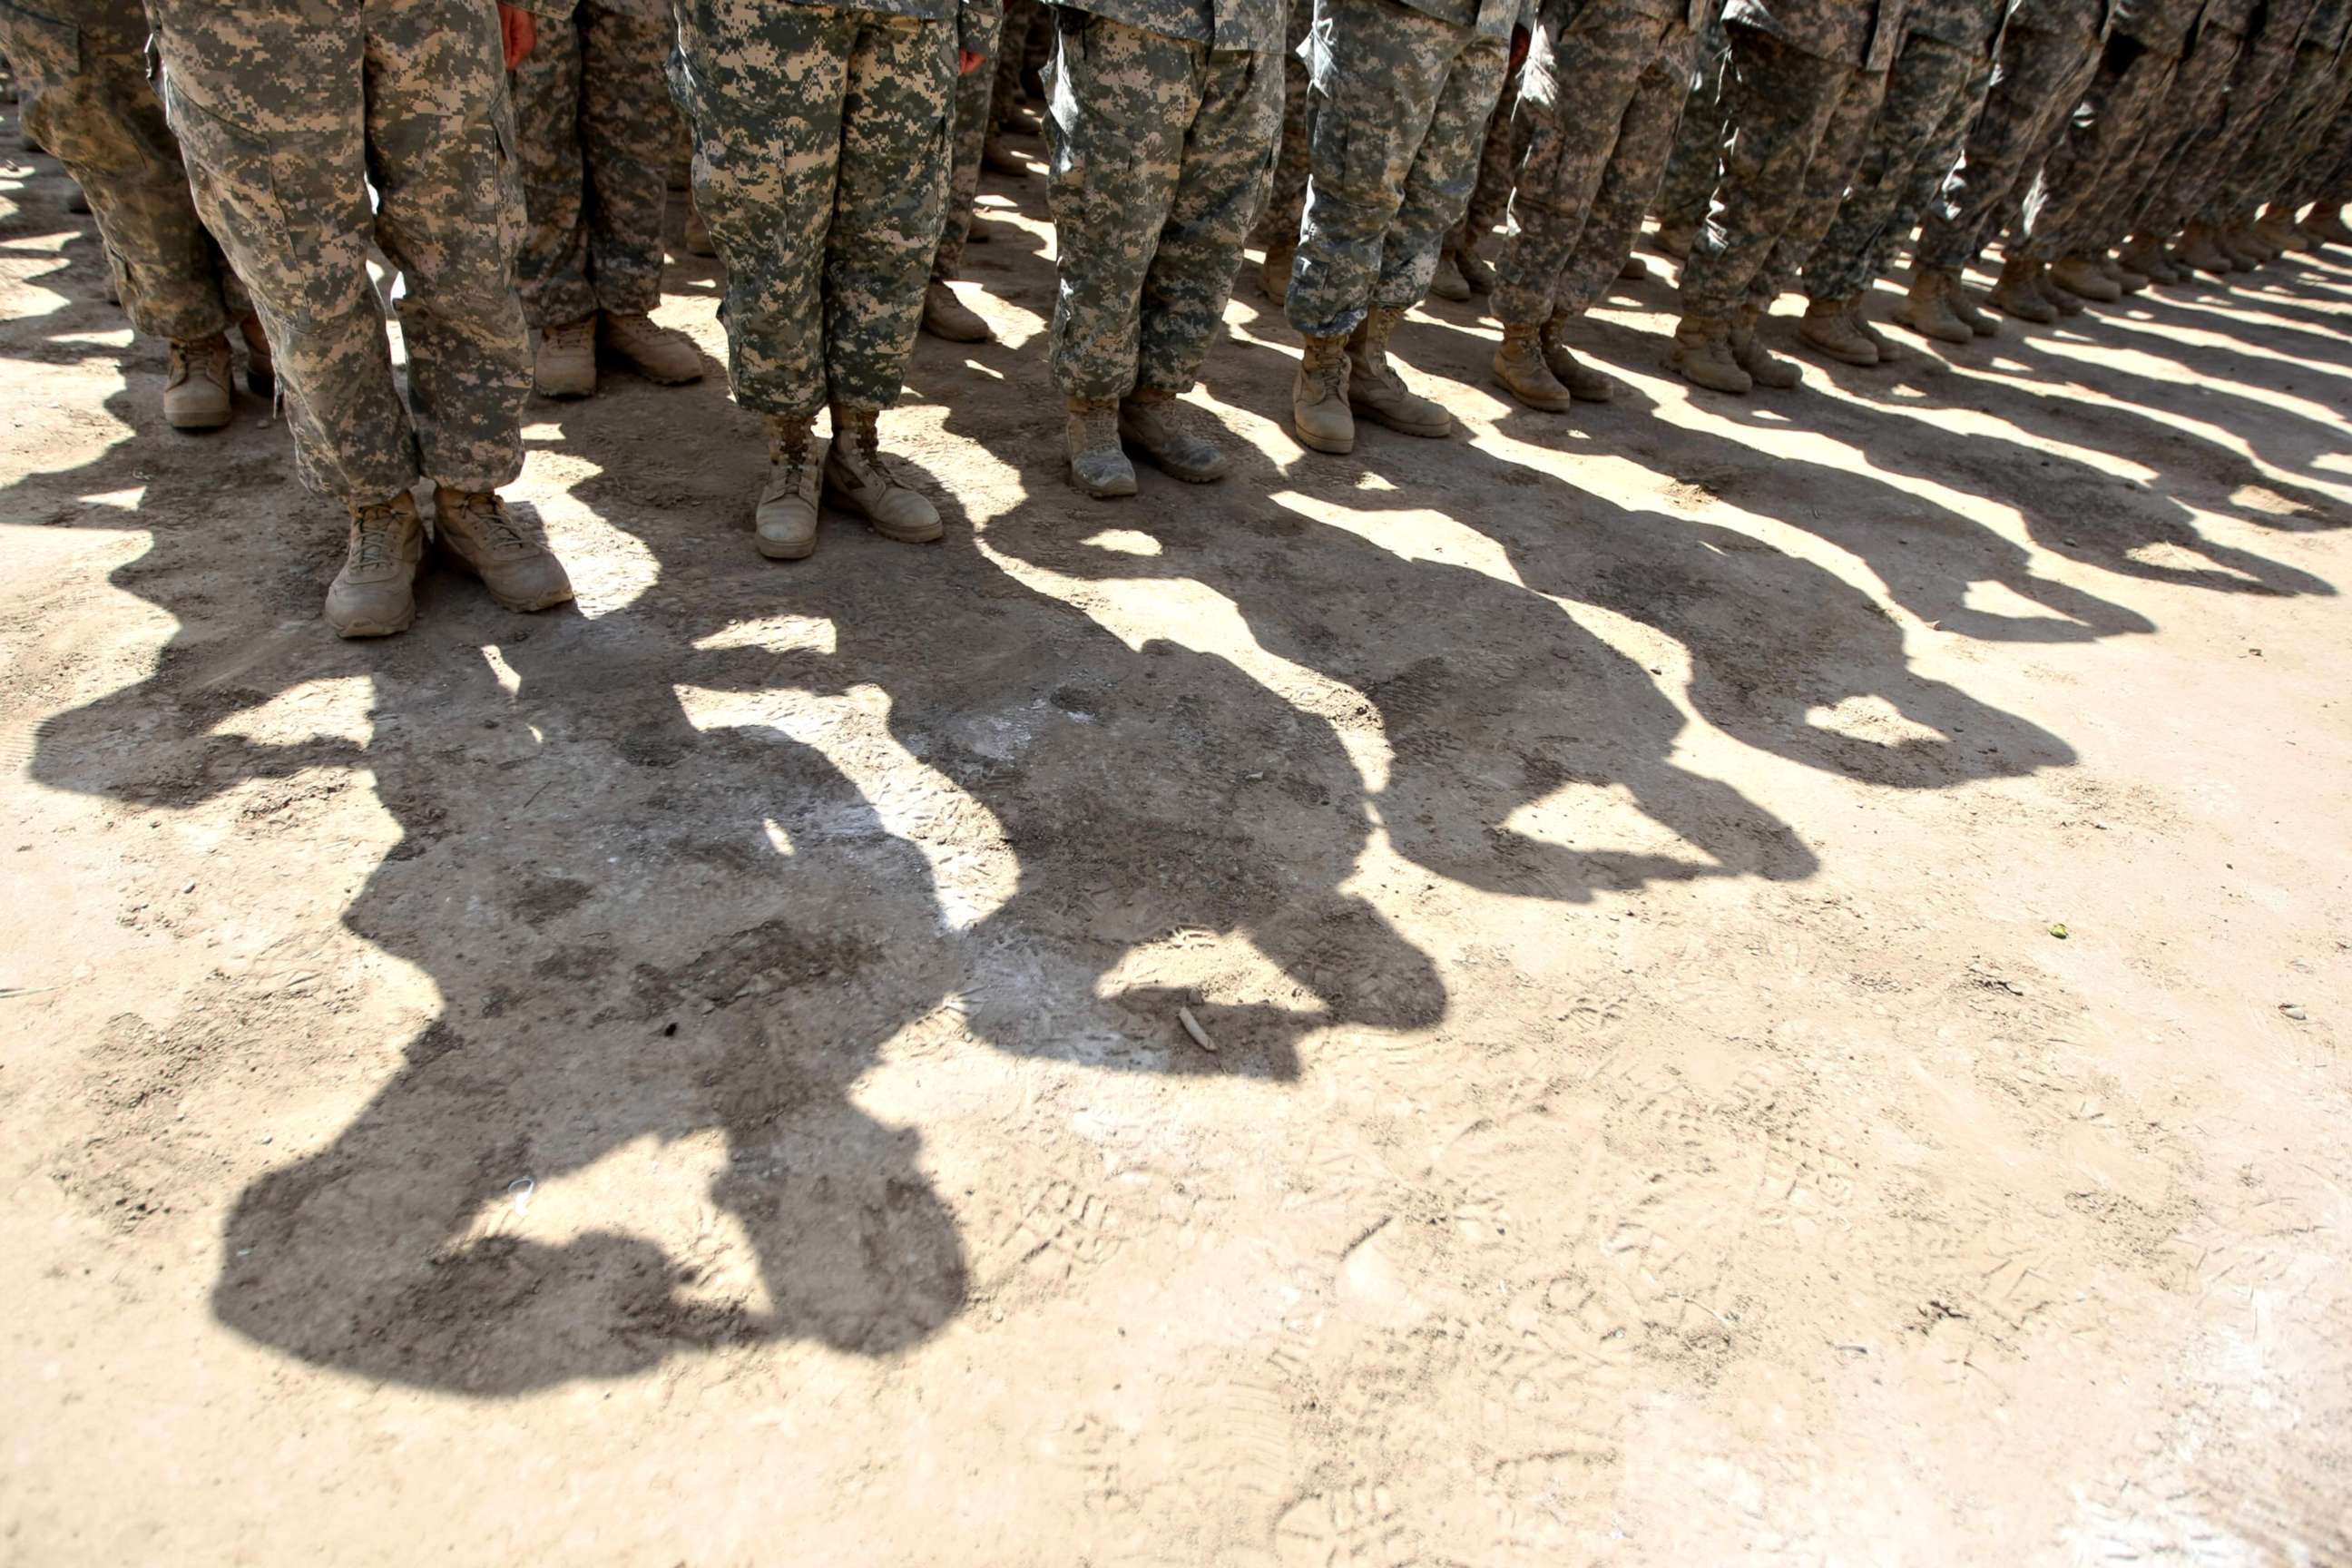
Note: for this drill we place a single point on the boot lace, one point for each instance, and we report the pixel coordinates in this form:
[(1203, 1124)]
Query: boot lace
[(580, 335), (487, 518), (372, 531)]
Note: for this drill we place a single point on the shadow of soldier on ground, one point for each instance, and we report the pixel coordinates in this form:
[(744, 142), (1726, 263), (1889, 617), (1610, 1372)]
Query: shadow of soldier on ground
[(684, 864)]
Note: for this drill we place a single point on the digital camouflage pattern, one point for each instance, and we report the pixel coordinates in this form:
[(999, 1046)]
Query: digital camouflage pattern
[(1490, 194), (1018, 19), (1698, 157), (2207, 168), (595, 123), (2192, 103), (1929, 79), (88, 101), (1161, 148), (2298, 117), (1598, 106), (283, 108), (2039, 77), (1799, 123), (1285, 194), (2103, 136), (821, 168), (1401, 100), (975, 100), (2326, 174)]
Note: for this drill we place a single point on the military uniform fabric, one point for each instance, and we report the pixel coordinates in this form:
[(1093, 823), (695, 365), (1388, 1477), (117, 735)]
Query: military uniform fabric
[(286, 114), (2048, 55), (1947, 49), (2207, 170), (1162, 134), (1697, 156), (1937, 160), (974, 103), (1600, 101), (1490, 194), (87, 98), (2105, 133), (1286, 193), (1402, 94), (2193, 104), (821, 168), (1804, 83), (595, 125), (2299, 118)]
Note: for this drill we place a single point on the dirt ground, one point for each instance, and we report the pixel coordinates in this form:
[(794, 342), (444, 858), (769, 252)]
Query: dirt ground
[(1777, 971)]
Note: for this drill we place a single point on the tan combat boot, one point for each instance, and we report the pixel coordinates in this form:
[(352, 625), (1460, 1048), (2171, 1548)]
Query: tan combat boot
[(196, 384), (474, 529), (1764, 367), (1476, 270), (2146, 257), (1520, 369), (2277, 227), (856, 473), (564, 364), (1928, 308), (2080, 275), (2198, 250), (784, 526), (1887, 352), (1584, 384), (1634, 269), (1827, 327), (2326, 225), (2130, 279), (1274, 272), (1702, 355), (375, 595), (662, 355), (1319, 415), (1375, 388), (1447, 282), (2246, 245), (1098, 464), (995, 156), (1957, 299), (2065, 301), (1152, 422), (1677, 239), (2015, 294), (698, 233), (948, 319), (260, 369)]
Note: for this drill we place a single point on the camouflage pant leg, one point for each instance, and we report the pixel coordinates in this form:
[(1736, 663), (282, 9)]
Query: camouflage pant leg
[(1577, 99), (1012, 47), (88, 101), (1781, 102), (1698, 157), (2194, 103), (1286, 195), (2039, 76), (975, 101), (821, 165), (1490, 196), (2324, 172), (1929, 77), (596, 120), (2061, 211), (281, 111), (1161, 150), (2210, 174), (1645, 139), (1935, 162), (1400, 100), (1827, 176), (2270, 153)]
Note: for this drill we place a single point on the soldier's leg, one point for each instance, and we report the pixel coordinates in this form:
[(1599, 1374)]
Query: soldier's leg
[(1647, 140), (1782, 100), (275, 185), (1123, 98), (1930, 77), (1012, 48), (892, 182), (2036, 70), (2194, 102), (763, 86), (1576, 103), (625, 114), (1698, 157), (1378, 85), (1222, 176), (1937, 160), (551, 262), (448, 206), (1444, 169), (1827, 175), (974, 96), (1276, 231), (2100, 136)]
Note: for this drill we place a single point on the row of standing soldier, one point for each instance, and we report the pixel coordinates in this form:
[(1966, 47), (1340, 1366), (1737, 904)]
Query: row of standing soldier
[(518, 157)]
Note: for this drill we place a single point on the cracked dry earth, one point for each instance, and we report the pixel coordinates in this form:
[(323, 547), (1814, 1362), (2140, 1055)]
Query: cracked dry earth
[(696, 1079)]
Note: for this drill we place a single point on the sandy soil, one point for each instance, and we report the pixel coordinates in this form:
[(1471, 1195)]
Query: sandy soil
[(698, 1078)]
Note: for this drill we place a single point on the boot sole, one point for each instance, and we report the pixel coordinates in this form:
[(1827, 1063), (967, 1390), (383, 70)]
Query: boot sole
[(775, 552), (1404, 427), (207, 422), (1967, 335), (360, 629), (982, 336), (1566, 404), (1329, 444), (1841, 355), (1112, 491), (1176, 471)]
